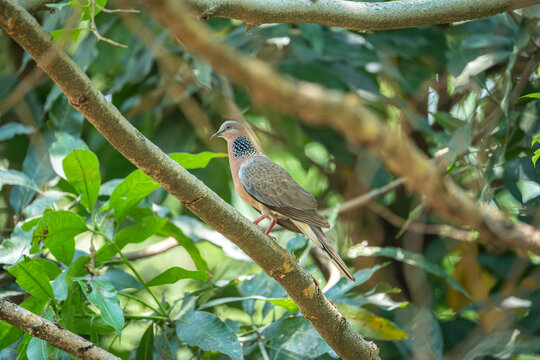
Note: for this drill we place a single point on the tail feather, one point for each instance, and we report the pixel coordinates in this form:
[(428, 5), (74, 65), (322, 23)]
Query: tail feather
[(315, 234)]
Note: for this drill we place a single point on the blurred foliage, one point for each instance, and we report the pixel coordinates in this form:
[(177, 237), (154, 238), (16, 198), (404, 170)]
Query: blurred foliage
[(73, 209)]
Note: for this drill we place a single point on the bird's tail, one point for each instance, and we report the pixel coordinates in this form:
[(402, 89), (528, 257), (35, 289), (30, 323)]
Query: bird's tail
[(315, 234)]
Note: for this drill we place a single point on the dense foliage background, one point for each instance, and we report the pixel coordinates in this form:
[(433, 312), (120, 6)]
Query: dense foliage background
[(74, 222)]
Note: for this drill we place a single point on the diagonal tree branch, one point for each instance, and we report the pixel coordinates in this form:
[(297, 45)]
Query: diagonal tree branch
[(191, 192), (51, 332), (347, 114), (355, 15)]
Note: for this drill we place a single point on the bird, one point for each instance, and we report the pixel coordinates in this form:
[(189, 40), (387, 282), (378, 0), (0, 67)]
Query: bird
[(273, 192)]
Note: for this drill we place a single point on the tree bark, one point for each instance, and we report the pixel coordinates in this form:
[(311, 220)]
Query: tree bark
[(51, 332), (355, 15), (189, 190)]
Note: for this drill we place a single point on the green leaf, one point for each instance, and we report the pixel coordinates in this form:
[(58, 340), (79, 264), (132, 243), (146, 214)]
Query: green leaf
[(60, 287), (536, 156), (58, 230), (103, 295), (64, 35), (82, 172), (172, 230), (10, 334), (135, 187), (296, 335), (38, 350), (62, 145), (50, 268), (406, 257), (10, 130), (145, 349), (195, 161), (59, 6), (535, 140), (14, 177), (32, 278), (174, 274), (532, 96), (147, 227), (206, 331), (285, 303), (370, 325)]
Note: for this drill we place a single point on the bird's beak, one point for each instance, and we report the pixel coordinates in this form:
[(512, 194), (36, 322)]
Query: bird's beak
[(215, 135)]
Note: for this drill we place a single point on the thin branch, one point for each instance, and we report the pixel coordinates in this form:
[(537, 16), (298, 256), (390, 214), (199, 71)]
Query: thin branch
[(355, 15), (349, 115), (364, 198), (51, 332), (430, 229), (114, 11), (152, 250), (192, 193), (94, 28)]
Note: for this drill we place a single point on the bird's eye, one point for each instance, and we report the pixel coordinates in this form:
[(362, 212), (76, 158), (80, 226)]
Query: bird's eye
[(228, 127)]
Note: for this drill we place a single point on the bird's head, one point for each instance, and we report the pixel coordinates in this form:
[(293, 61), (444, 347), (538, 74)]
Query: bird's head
[(229, 130)]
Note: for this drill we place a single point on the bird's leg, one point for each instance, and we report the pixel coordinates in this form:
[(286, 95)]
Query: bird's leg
[(274, 221), (259, 219)]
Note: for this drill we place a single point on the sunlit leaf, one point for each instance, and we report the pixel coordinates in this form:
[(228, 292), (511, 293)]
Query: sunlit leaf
[(81, 168), (195, 161), (135, 187), (32, 278), (371, 325), (174, 274), (57, 229)]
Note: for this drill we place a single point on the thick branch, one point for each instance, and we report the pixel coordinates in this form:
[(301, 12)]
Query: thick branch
[(347, 114), (51, 332), (273, 259), (356, 15)]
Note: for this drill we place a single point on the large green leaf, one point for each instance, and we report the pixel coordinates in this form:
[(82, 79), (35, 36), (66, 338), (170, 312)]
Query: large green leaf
[(195, 161), (371, 325), (174, 274), (57, 229), (103, 295), (135, 187), (137, 233), (32, 278), (406, 257), (206, 331), (82, 172)]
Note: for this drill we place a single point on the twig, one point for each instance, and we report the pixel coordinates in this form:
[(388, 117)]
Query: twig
[(95, 31), (113, 11), (154, 249), (430, 229), (51, 332), (364, 198)]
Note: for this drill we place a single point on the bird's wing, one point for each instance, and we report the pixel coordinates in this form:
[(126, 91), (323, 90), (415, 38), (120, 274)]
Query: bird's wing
[(272, 186)]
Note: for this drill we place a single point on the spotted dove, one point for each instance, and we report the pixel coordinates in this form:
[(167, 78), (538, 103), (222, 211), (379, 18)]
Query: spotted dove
[(273, 192)]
